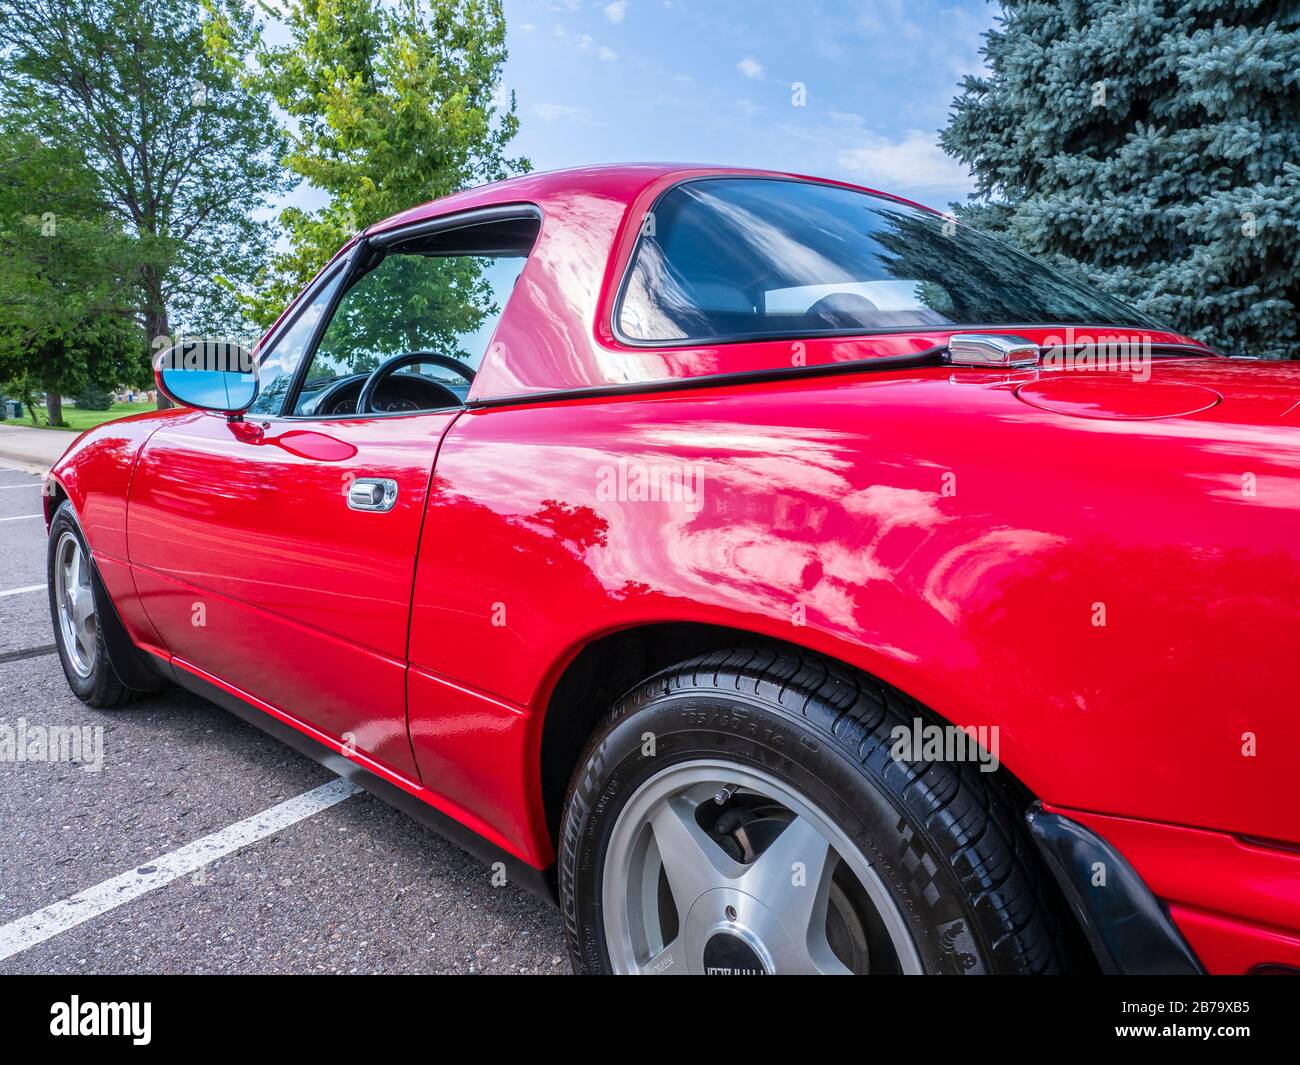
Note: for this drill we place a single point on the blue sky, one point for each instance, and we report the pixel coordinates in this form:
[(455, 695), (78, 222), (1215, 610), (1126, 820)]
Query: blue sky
[(711, 81), (714, 81)]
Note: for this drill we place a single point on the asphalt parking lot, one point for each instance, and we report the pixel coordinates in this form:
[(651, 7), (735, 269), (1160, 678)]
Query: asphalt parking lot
[(353, 888)]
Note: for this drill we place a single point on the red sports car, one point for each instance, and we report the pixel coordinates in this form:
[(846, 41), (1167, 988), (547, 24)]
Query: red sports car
[(779, 574)]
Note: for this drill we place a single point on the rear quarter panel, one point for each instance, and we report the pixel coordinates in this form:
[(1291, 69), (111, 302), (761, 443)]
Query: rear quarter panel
[(1128, 624)]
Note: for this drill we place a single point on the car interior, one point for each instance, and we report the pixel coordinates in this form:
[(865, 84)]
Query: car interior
[(414, 321)]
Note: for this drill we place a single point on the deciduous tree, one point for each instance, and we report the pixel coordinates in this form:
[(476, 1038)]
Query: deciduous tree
[(184, 152), (393, 104), (67, 271)]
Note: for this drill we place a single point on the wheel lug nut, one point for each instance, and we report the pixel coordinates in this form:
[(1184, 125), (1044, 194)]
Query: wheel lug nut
[(731, 913)]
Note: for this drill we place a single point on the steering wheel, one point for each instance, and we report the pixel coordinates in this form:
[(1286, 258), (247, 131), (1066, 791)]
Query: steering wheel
[(386, 369), (843, 310)]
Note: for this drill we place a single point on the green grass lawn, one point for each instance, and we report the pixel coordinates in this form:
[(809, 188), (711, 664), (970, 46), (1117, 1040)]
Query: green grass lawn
[(80, 420)]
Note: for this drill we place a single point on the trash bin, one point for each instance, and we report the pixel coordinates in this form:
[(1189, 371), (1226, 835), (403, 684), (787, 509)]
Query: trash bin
[(13, 408)]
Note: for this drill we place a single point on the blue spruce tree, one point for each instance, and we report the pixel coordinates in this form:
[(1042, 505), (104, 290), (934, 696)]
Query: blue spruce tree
[(1152, 146)]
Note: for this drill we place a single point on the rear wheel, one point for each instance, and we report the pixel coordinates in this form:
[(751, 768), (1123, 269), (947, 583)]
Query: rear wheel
[(80, 615), (730, 868), (742, 814)]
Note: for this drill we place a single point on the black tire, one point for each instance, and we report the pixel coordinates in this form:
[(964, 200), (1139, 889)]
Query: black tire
[(104, 687), (947, 841)]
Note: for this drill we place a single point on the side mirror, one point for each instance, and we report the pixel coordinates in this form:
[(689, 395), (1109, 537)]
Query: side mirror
[(216, 375)]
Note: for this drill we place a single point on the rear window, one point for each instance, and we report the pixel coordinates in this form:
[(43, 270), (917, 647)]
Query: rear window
[(754, 258)]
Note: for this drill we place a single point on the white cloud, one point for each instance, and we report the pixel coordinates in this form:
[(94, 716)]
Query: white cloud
[(616, 11), (891, 19), (750, 67), (585, 43), (913, 162), (561, 113)]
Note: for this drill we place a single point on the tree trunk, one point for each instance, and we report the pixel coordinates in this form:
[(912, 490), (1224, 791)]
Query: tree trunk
[(54, 405), (156, 324), (31, 407)]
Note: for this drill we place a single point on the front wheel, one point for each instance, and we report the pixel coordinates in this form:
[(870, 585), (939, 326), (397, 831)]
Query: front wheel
[(741, 814), (80, 616)]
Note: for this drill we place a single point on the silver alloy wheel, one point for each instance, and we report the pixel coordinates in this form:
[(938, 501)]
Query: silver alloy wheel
[(75, 598), (766, 915)]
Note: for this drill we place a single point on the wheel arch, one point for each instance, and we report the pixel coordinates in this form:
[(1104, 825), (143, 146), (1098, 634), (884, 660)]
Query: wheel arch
[(600, 670)]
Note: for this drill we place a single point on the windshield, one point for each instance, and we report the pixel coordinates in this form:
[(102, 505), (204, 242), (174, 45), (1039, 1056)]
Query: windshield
[(752, 258)]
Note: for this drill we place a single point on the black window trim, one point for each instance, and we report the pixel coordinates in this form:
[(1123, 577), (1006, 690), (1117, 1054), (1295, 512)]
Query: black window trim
[(353, 263), (616, 311), (334, 269)]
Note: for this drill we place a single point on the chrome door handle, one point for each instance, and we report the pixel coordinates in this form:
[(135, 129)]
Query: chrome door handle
[(377, 494)]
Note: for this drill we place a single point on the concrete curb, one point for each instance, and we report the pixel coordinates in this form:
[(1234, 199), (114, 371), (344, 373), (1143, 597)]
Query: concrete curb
[(32, 450)]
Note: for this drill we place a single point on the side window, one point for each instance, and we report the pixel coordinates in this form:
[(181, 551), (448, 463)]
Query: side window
[(276, 366), (418, 299)]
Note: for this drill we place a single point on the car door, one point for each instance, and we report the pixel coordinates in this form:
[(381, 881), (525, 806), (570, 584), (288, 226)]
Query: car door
[(277, 554)]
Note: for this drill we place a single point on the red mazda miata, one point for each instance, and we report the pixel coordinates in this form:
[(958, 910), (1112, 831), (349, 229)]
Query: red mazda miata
[(779, 574)]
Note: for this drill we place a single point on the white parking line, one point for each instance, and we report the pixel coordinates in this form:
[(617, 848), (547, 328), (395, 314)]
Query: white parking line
[(23, 591), (35, 484), (44, 924), (20, 517)]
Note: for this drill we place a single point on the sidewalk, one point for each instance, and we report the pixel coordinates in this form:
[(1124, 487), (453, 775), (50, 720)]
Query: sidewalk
[(32, 450)]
